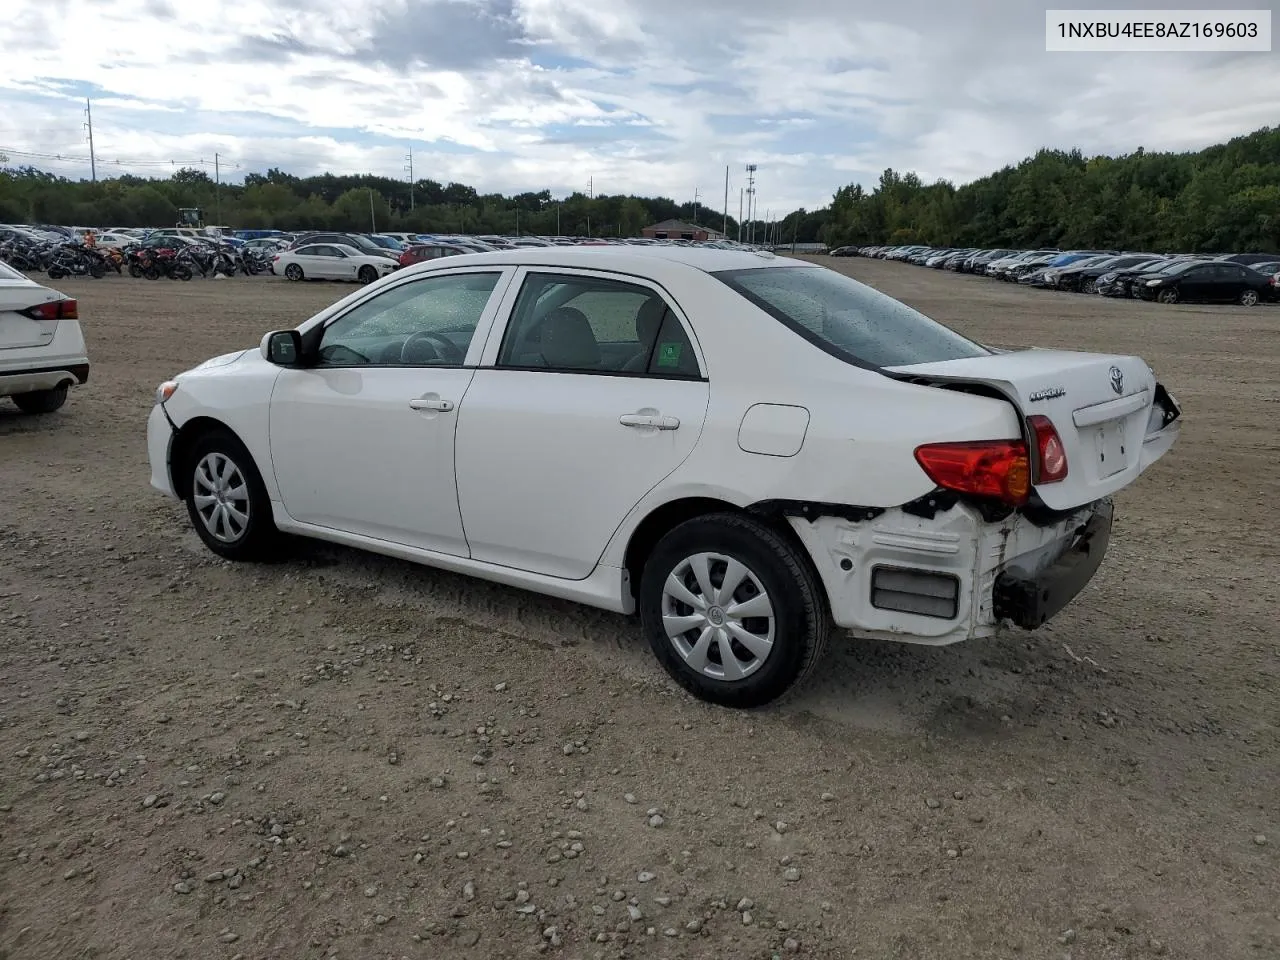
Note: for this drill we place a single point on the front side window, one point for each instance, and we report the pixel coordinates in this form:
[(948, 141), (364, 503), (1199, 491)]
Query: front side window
[(848, 319), (427, 322), (593, 325)]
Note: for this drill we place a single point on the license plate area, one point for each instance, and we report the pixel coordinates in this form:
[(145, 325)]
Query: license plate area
[(1109, 442)]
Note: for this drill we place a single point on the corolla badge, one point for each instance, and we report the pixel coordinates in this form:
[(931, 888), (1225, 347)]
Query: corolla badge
[(1048, 393), (1117, 380)]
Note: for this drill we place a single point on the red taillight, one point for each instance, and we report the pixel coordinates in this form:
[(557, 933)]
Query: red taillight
[(54, 310), (983, 468), (1052, 464)]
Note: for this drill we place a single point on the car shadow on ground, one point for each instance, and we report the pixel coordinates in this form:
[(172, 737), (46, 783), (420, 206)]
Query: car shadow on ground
[(983, 689)]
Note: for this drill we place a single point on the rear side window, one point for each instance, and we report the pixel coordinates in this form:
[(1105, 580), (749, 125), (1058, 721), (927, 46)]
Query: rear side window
[(848, 319)]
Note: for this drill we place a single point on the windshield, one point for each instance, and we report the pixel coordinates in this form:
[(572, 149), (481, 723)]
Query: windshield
[(848, 319)]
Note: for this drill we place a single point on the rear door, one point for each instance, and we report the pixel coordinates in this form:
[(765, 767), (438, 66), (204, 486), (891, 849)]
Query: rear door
[(590, 396), (17, 293), (1114, 419)]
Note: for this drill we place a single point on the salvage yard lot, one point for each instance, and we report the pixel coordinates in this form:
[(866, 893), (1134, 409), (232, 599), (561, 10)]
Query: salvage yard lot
[(349, 756)]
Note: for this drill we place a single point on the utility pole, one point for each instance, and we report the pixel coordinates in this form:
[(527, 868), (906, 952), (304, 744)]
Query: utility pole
[(93, 164), (739, 214), (795, 227), (217, 190), (591, 188), (695, 206), (724, 229), (373, 223), (751, 195), (517, 220), (410, 169), (557, 219)]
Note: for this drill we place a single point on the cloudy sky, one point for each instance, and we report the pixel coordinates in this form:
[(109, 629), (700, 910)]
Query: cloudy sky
[(643, 96)]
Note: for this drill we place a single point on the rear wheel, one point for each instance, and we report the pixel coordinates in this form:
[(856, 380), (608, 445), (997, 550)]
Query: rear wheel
[(1168, 295), (42, 401), (1248, 297), (733, 612), (227, 500), (1089, 286), (293, 272)]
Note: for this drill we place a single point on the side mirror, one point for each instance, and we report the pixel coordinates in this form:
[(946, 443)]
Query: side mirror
[(282, 347)]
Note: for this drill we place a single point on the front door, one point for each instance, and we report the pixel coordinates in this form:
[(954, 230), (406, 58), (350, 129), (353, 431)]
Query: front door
[(362, 441), (593, 396)]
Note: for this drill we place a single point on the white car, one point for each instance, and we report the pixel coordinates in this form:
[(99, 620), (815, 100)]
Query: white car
[(741, 448), (331, 261), (42, 350)]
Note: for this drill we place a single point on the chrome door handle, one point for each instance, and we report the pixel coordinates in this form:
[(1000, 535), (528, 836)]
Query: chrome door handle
[(421, 404), (656, 423)]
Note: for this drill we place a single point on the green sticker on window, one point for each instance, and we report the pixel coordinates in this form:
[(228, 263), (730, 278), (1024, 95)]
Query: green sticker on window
[(668, 354)]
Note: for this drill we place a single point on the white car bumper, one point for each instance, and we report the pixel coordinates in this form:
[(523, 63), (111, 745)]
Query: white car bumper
[(160, 435), (954, 576)]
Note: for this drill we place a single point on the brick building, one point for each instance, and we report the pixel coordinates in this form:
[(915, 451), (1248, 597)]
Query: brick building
[(679, 230)]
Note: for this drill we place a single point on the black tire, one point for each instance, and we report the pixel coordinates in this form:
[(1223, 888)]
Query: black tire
[(97, 271), (1249, 297), (56, 273), (135, 271), (293, 272), (801, 622), (258, 539), (367, 274), (1168, 295), (42, 401), (1089, 286)]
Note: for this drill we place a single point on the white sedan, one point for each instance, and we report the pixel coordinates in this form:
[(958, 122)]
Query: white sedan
[(331, 261), (742, 449), (42, 352)]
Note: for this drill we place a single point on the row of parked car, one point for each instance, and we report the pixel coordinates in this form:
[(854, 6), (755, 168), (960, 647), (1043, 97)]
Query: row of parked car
[(366, 257), (1244, 278)]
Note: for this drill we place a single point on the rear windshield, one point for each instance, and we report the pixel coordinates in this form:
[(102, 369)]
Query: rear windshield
[(848, 319)]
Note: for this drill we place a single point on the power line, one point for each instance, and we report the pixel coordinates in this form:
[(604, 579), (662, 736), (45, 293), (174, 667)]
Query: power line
[(98, 161)]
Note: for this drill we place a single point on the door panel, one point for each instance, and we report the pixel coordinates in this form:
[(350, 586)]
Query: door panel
[(594, 396), (363, 441), (546, 470)]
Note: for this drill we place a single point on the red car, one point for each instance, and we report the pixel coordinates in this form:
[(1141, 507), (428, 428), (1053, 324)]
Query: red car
[(430, 251)]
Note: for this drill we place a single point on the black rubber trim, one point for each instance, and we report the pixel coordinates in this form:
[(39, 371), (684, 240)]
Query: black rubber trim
[(813, 510), (1031, 601), (78, 370)]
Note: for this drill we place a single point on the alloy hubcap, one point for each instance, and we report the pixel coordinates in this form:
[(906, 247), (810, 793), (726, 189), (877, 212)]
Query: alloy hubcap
[(718, 616), (221, 497)]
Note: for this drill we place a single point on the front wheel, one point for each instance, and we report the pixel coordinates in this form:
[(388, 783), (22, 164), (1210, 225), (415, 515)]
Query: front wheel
[(733, 611), (56, 273), (41, 401), (227, 500), (1168, 295), (1248, 298), (293, 272), (135, 271), (367, 274)]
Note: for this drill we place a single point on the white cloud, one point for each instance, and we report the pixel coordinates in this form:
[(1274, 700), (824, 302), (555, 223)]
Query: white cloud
[(645, 96)]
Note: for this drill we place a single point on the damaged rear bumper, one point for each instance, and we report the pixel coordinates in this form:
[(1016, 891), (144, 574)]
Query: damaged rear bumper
[(945, 574), (1030, 599)]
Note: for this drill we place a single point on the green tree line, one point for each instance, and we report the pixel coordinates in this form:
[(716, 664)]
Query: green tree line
[(328, 202), (1223, 198)]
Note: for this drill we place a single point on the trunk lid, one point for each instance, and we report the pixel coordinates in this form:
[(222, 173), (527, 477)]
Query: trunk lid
[(1114, 419), (16, 330)]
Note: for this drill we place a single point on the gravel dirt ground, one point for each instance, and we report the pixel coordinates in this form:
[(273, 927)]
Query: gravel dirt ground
[(347, 756)]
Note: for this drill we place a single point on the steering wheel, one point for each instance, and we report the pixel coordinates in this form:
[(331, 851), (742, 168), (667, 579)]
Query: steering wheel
[(445, 348)]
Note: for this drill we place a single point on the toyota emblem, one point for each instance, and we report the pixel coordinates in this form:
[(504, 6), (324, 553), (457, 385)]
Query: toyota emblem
[(1117, 380)]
